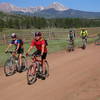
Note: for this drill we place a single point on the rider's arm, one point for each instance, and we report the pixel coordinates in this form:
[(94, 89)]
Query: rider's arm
[(87, 34), (18, 46), (9, 46), (43, 46), (68, 37), (31, 46)]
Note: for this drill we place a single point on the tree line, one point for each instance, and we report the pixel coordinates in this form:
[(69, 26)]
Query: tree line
[(26, 22)]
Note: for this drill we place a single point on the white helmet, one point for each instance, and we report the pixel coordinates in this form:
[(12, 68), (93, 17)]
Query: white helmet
[(13, 35)]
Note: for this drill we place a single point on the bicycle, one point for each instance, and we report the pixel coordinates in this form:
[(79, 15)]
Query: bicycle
[(12, 66), (35, 70), (70, 46)]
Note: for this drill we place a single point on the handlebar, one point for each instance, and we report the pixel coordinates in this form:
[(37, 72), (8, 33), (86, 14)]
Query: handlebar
[(10, 52)]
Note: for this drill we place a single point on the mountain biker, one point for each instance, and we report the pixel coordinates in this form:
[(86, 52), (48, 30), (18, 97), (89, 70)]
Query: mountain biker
[(18, 47), (84, 34), (71, 36), (41, 47)]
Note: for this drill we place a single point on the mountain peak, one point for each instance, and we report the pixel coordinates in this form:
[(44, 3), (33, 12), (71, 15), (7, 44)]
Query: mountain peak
[(58, 6), (5, 3), (7, 7)]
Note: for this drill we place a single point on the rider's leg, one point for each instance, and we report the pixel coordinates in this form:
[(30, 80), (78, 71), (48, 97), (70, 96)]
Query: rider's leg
[(43, 62), (20, 54), (20, 60), (86, 40), (43, 66)]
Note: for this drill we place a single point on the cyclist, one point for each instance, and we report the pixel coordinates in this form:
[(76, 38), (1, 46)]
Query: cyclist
[(41, 47), (18, 47), (84, 34), (71, 36)]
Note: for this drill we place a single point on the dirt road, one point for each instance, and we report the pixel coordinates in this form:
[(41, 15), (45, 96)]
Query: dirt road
[(73, 76)]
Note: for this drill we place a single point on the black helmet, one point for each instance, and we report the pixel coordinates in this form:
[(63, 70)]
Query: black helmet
[(13, 35), (38, 34)]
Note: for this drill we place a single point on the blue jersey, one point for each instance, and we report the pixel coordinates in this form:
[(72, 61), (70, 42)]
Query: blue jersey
[(16, 42)]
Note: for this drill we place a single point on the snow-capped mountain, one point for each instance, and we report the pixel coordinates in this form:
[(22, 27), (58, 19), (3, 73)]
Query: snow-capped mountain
[(57, 6), (7, 7), (55, 10)]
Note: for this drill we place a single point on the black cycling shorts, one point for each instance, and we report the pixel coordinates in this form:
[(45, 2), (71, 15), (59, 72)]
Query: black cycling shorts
[(84, 37), (20, 51), (38, 53)]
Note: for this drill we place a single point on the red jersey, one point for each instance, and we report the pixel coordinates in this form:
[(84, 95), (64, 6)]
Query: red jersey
[(38, 44)]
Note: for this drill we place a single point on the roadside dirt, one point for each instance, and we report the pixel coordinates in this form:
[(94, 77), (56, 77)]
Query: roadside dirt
[(73, 76)]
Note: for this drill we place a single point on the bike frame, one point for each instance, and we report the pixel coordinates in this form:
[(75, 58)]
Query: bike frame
[(13, 54), (34, 60)]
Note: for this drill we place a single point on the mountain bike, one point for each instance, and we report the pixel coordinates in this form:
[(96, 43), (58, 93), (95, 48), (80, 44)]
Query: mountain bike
[(12, 66), (70, 46), (35, 70)]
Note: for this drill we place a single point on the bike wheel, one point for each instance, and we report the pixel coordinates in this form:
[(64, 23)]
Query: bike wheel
[(84, 46), (9, 67), (24, 64), (69, 49), (31, 78)]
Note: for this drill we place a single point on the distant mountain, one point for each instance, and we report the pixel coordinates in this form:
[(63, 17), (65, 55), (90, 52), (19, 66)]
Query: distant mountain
[(55, 10), (70, 13), (7, 7), (57, 6)]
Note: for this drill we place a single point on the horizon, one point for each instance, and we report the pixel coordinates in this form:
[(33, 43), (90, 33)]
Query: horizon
[(90, 7)]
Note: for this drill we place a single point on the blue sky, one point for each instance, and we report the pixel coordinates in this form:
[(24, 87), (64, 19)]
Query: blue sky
[(85, 5)]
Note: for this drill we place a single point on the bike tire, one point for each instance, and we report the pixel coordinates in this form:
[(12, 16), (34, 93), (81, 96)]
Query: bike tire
[(31, 78), (70, 48), (9, 67), (84, 44), (84, 47)]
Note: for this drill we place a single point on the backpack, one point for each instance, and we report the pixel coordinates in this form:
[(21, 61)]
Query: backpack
[(46, 42)]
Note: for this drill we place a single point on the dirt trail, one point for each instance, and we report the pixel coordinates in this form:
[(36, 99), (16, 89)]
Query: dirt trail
[(73, 76)]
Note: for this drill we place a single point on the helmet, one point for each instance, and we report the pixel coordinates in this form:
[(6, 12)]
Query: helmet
[(13, 35), (38, 34)]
